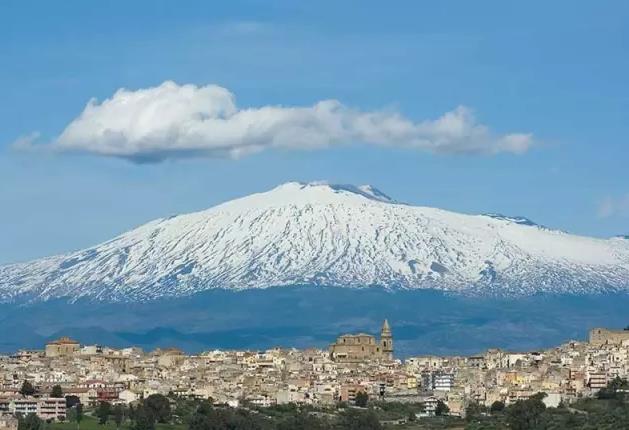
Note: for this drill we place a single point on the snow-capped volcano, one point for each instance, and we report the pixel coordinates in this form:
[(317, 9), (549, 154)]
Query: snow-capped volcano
[(322, 234)]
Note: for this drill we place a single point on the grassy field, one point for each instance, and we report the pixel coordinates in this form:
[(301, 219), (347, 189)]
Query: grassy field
[(91, 423), (437, 423)]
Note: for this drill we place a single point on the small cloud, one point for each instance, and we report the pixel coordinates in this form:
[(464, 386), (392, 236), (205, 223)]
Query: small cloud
[(610, 207), (26, 142), (242, 28), (177, 121)]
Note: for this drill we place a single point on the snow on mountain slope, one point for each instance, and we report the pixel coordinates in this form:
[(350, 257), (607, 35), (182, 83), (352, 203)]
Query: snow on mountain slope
[(320, 234)]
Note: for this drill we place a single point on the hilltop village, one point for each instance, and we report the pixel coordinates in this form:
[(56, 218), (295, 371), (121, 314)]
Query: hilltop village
[(353, 364)]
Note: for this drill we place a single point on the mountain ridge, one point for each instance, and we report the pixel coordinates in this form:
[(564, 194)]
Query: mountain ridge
[(329, 235)]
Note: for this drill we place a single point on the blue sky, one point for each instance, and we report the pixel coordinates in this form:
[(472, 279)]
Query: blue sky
[(557, 70)]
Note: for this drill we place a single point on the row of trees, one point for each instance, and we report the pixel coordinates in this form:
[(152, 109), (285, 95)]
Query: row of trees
[(27, 389), (291, 417), (608, 410), (104, 412), (154, 409), (202, 415)]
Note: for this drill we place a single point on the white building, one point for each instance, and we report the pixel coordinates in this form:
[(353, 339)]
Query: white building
[(443, 381), (47, 408), (129, 396)]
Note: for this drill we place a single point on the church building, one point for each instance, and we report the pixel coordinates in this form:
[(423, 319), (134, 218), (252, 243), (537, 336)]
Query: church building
[(350, 348), (62, 347)]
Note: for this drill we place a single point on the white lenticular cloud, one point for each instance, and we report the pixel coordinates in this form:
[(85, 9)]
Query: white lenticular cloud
[(174, 121)]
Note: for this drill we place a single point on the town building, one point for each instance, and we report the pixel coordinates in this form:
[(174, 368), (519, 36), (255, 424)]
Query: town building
[(312, 376), (600, 336), (361, 347), (46, 408), (51, 408), (62, 347), (437, 380), (8, 422)]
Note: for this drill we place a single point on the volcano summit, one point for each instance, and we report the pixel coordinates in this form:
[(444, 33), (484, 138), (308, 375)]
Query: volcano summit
[(319, 234)]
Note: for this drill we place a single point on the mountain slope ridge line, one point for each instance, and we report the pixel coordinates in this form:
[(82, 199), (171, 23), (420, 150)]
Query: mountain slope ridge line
[(329, 235)]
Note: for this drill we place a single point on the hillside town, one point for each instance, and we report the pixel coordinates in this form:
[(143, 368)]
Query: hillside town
[(353, 364)]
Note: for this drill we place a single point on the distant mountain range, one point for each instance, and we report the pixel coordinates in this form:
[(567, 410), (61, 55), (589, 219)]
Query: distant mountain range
[(319, 234)]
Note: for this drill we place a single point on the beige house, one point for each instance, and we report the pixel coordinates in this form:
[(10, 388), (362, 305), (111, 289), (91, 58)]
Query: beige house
[(348, 392), (8, 422), (603, 336), (129, 396), (52, 408), (46, 408), (171, 357)]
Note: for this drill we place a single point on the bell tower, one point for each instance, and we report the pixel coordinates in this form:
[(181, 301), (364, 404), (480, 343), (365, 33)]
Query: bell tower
[(386, 341)]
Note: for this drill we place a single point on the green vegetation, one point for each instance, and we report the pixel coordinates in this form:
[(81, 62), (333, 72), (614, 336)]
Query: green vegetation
[(442, 409), (91, 423), (30, 422), (118, 415), (353, 419), (390, 411), (27, 389), (615, 390), (361, 399), (143, 418), (159, 407), (56, 392), (609, 410), (102, 412), (497, 407), (191, 414)]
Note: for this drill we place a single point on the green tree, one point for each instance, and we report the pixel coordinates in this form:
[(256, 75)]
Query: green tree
[(159, 405), (118, 414), (441, 409), (497, 407), (102, 412), (27, 389), (29, 422), (353, 419), (200, 421), (302, 421), (615, 390), (526, 414), (78, 415), (56, 392), (72, 401), (474, 411), (210, 418), (131, 412), (361, 399), (144, 419)]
